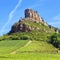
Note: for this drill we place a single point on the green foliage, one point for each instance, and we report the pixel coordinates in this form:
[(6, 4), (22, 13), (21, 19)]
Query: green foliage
[(25, 37), (34, 35), (55, 40)]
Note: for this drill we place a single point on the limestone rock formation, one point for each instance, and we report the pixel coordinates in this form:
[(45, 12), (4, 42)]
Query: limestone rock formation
[(34, 16), (20, 27)]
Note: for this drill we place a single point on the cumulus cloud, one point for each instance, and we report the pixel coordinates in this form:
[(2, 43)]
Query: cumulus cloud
[(55, 21), (56, 17), (11, 15)]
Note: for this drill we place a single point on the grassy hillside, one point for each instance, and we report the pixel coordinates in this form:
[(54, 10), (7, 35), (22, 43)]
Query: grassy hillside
[(42, 27), (41, 32), (35, 50), (38, 47), (7, 46)]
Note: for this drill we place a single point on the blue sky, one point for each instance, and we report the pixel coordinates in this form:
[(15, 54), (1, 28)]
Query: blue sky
[(12, 10)]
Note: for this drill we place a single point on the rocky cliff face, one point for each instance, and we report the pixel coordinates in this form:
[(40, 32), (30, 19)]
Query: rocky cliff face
[(34, 16), (20, 26)]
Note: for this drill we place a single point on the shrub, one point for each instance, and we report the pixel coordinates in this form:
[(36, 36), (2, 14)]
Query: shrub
[(25, 37), (55, 40)]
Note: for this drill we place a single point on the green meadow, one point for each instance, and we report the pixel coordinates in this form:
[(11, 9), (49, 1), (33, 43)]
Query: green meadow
[(31, 56), (27, 50)]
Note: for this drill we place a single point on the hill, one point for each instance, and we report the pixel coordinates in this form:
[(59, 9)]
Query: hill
[(27, 50), (25, 46), (31, 38), (37, 47), (31, 22), (32, 27), (7, 46)]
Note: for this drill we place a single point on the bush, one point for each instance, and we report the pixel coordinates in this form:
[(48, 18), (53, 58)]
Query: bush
[(25, 37), (55, 40)]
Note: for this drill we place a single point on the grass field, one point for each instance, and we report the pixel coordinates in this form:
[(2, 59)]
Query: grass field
[(38, 46), (27, 50), (31, 56), (8, 46)]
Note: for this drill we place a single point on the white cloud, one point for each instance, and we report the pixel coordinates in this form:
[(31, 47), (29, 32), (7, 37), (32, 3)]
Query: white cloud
[(56, 17), (11, 15), (55, 21), (55, 24)]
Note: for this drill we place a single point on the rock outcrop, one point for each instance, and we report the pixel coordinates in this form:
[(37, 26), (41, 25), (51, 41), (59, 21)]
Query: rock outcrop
[(20, 27), (34, 16)]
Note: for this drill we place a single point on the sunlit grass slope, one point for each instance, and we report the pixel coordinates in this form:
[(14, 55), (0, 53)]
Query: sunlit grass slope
[(38, 46), (9, 46)]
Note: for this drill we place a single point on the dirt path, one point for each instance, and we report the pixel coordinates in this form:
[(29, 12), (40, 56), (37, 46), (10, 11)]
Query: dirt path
[(14, 52)]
